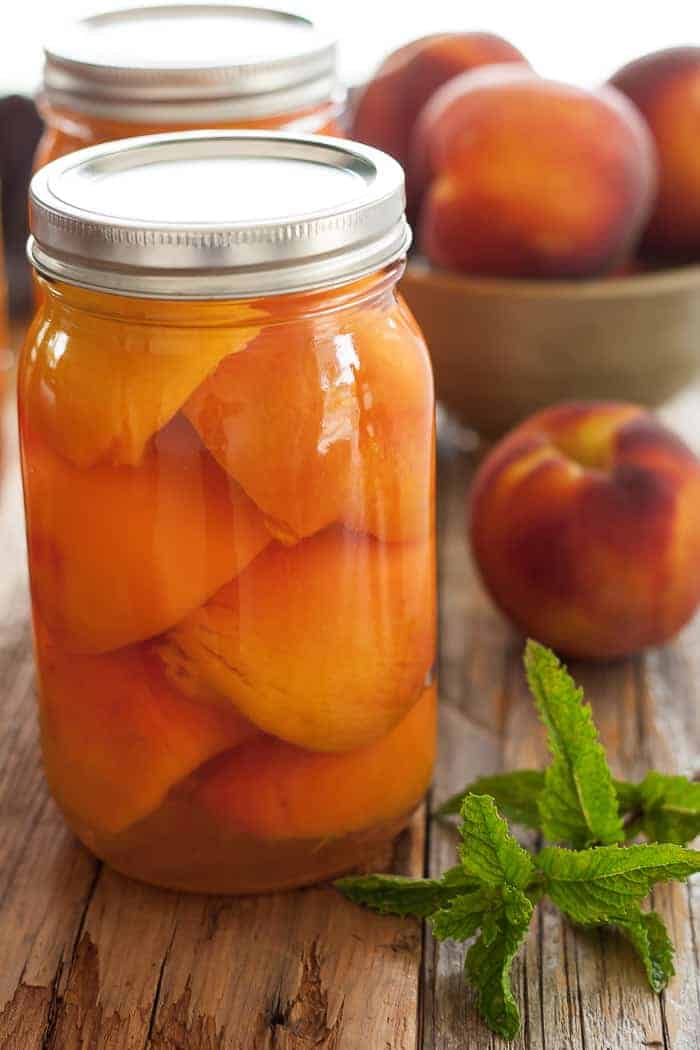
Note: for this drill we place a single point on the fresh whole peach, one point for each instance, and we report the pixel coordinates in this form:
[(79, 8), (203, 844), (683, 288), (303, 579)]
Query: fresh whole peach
[(666, 88), (585, 526), (389, 106), (526, 177)]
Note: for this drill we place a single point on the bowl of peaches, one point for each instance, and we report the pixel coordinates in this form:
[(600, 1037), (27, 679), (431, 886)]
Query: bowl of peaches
[(557, 229)]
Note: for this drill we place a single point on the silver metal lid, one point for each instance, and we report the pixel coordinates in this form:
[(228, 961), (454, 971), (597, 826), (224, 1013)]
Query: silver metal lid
[(190, 63), (217, 215)]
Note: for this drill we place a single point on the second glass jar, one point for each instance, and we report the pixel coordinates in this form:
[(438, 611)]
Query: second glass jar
[(179, 67)]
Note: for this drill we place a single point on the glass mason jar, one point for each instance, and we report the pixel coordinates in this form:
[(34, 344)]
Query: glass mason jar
[(166, 68), (228, 444)]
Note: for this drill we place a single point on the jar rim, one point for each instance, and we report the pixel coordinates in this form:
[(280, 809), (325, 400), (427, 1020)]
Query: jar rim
[(151, 216), (204, 313), (100, 65)]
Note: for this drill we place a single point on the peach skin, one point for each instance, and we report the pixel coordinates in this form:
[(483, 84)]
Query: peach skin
[(122, 553), (585, 527), (274, 790), (325, 644), (665, 86), (98, 388), (390, 103), (116, 736), (246, 417), (527, 177)]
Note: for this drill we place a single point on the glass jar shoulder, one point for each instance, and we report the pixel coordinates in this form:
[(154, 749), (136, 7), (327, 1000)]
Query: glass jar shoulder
[(66, 131), (100, 379), (336, 374)]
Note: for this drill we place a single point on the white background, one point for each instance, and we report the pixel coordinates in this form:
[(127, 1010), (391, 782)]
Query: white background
[(581, 41)]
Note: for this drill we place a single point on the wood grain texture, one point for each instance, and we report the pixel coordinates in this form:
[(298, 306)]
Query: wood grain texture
[(578, 991), (92, 961)]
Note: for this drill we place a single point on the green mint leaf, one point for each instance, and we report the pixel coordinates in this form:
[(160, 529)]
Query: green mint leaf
[(464, 915), (488, 851), (628, 796), (608, 883), (671, 808), (515, 795), (647, 932), (456, 879), (400, 895), (578, 804), (489, 961), (490, 926)]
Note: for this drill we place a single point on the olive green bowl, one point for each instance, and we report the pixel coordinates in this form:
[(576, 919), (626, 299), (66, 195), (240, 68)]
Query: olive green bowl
[(502, 349)]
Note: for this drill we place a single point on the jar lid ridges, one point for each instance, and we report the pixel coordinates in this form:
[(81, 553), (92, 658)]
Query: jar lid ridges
[(113, 65), (217, 214)]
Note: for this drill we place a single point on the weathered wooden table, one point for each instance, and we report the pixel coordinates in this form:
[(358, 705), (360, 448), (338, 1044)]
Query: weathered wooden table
[(93, 961)]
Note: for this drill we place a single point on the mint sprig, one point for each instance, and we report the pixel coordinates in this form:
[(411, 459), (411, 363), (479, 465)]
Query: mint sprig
[(516, 794), (647, 933), (461, 917), (663, 808), (669, 808), (576, 801), (578, 804), (398, 895), (602, 884), (491, 894), (488, 851), (489, 960), (499, 909)]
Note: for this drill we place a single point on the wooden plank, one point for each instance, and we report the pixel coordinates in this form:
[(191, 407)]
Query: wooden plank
[(577, 991), (44, 875), (617, 1009), (312, 975), (670, 703), (165, 970), (472, 683)]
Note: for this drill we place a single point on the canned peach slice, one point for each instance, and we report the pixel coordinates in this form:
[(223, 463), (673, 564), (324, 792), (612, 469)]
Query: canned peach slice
[(274, 790), (394, 394), (117, 736), (355, 443), (292, 455), (103, 389), (119, 554), (325, 644), (185, 673)]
